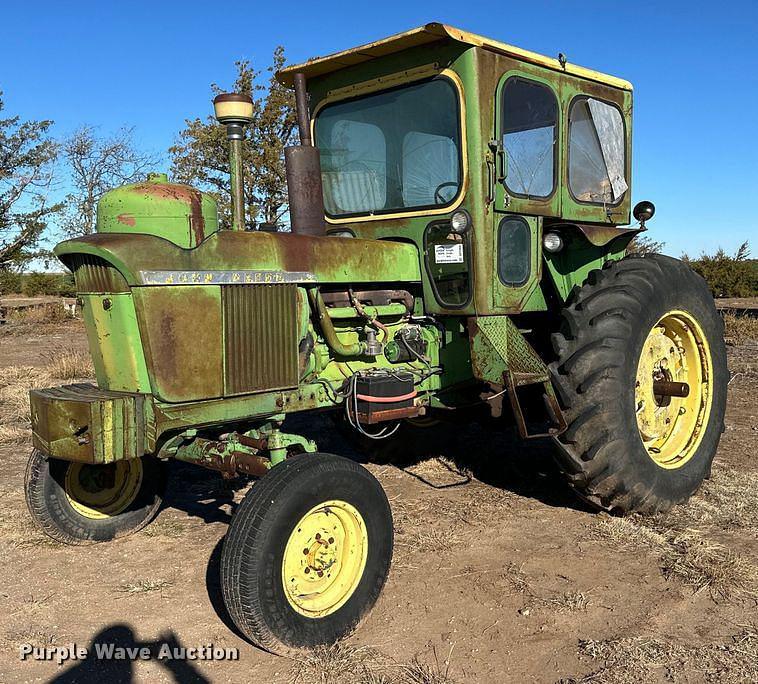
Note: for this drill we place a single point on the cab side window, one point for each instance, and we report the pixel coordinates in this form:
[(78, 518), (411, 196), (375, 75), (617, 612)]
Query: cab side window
[(529, 123), (596, 152)]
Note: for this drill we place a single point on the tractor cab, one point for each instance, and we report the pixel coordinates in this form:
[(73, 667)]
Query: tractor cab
[(477, 152)]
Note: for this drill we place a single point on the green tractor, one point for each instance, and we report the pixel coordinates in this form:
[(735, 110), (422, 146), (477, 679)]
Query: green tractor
[(460, 214)]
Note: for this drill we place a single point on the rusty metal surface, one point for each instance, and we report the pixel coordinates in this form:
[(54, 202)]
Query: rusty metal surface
[(389, 414), (182, 334), (302, 109), (371, 297), (93, 274), (86, 424), (498, 347), (179, 213), (598, 235), (331, 260), (260, 337), (669, 388), (430, 33), (304, 189)]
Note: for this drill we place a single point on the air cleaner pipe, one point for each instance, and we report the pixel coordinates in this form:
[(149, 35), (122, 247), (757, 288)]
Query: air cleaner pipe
[(327, 327)]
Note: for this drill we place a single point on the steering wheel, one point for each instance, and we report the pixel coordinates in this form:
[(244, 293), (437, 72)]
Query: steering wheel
[(438, 198)]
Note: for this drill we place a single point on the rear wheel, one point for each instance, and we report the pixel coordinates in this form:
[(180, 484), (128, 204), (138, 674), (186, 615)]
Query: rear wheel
[(637, 336), (76, 503), (307, 553)]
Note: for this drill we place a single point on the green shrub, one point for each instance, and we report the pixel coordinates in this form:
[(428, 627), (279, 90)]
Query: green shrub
[(37, 284), (726, 275), (10, 282)]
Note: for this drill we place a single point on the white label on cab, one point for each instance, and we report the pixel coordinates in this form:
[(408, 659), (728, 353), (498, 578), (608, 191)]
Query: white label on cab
[(448, 254)]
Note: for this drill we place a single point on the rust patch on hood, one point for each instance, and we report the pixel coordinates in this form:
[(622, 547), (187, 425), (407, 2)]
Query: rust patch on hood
[(126, 219), (181, 193)]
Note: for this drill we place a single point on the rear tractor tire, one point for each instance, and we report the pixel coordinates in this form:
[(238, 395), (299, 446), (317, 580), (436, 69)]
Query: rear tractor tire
[(79, 503), (634, 330), (307, 553)]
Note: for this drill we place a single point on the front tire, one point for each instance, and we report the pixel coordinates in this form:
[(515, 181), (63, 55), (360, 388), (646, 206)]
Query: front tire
[(307, 553), (79, 503), (636, 322)]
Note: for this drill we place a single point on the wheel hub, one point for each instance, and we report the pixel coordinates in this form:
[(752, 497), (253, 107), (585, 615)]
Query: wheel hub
[(673, 389), (324, 558), (102, 491)]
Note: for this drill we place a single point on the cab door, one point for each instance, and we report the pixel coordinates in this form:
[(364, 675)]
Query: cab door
[(526, 162)]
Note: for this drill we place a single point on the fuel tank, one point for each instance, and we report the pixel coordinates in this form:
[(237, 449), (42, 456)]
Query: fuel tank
[(178, 213)]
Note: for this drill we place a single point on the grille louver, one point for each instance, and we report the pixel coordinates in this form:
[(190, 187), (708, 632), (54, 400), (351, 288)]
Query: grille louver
[(93, 274), (260, 337)]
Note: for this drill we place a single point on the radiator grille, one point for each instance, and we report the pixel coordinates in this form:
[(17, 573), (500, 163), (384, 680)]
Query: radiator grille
[(93, 274), (260, 337)]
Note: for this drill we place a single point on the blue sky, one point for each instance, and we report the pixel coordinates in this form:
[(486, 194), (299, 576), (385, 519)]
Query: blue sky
[(694, 66)]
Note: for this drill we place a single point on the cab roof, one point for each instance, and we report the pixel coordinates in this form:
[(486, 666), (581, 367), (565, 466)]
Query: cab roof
[(429, 33)]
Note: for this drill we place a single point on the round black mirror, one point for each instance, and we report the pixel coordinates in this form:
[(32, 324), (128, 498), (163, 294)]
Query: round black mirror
[(643, 211)]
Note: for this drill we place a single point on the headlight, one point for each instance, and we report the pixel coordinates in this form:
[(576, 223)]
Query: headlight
[(552, 242), (460, 221)]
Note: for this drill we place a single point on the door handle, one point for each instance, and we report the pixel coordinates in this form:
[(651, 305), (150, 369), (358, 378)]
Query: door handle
[(498, 153)]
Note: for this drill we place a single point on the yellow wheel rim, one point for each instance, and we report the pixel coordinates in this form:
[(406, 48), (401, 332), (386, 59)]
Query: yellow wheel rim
[(324, 558), (671, 428), (98, 492)]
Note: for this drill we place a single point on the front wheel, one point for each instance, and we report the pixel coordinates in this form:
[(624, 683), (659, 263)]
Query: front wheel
[(642, 376), (76, 503), (307, 553)]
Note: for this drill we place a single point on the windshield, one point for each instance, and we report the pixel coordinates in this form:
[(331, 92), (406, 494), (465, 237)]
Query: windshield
[(393, 151)]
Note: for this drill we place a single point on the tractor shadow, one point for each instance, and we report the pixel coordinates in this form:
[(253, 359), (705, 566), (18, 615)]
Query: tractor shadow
[(483, 448), (488, 449)]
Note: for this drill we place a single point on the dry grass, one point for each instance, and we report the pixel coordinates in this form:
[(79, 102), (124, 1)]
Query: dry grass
[(517, 579), (13, 434), (171, 529), (70, 364), (738, 329), (345, 664), (631, 660), (15, 383), (17, 529), (144, 586), (708, 566), (569, 602), (682, 542), (726, 501)]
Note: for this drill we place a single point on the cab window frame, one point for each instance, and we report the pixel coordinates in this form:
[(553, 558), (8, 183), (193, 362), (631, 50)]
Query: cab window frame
[(556, 135), (461, 151), (574, 100)]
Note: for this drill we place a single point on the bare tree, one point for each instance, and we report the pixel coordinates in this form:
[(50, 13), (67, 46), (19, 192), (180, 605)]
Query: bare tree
[(97, 164), (26, 173)]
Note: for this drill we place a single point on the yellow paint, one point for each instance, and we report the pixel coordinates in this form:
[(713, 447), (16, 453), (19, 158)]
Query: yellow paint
[(99, 492), (427, 34), (377, 85), (671, 428), (324, 558)]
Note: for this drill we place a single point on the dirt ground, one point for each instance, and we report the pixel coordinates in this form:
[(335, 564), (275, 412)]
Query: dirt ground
[(499, 574)]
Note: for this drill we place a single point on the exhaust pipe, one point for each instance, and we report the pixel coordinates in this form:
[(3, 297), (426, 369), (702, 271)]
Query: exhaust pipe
[(306, 195)]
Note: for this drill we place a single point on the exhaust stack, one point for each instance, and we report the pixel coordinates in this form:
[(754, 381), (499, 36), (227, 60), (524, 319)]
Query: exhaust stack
[(306, 198), (235, 110)]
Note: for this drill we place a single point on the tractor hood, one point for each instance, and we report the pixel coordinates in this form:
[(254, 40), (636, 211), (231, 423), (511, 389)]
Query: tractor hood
[(229, 257)]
